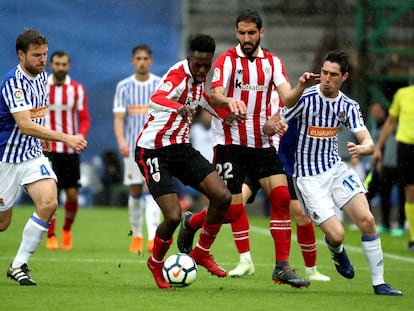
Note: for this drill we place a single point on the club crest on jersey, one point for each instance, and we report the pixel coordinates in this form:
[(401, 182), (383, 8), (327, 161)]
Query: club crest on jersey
[(156, 176), (341, 116), (166, 86), (18, 95), (216, 75)]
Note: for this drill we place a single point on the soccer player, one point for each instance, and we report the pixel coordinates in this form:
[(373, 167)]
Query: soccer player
[(401, 112), (23, 104), (322, 179), (247, 74), (68, 113), (304, 228), (164, 151), (130, 110)]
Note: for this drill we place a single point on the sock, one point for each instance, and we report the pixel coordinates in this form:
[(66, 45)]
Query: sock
[(371, 247), (33, 233), (152, 214), (280, 226), (197, 220), (245, 255), (409, 215), (336, 249), (71, 208), (307, 242), (207, 236), (161, 247), (135, 214), (51, 230), (239, 221)]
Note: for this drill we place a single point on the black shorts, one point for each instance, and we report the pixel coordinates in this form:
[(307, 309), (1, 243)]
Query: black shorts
[(255, 187), (405, 154), (159, 166), (66, 167), (234, 163)]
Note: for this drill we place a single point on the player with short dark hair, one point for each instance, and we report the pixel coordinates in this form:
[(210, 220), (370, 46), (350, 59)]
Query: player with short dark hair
[(164, 151), (23, 103), (323, 181)]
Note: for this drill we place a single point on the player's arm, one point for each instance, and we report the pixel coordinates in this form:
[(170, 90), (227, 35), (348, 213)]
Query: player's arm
[(291, 96), (28, 127), (123, 147), (387, 129), (84, 117), (218, 99), (364, 148)]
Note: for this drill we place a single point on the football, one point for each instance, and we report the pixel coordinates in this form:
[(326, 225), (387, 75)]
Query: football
[(180, 270)]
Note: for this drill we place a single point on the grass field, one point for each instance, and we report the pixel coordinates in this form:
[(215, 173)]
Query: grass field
[(100, 273)]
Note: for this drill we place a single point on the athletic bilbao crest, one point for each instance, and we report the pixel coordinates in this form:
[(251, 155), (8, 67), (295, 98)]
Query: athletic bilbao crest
[(156, 176)]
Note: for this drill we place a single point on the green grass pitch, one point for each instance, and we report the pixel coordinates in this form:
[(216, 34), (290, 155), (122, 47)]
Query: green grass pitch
[(100, 273)]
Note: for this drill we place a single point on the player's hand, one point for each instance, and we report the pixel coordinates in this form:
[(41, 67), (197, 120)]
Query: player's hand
[(238, 107), (124, 149), (353, 149), (228, 120), (309, 78), (77, 143), (275, 125), (187, 113)]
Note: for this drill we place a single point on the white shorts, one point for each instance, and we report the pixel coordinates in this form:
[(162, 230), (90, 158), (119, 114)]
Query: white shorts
[(132, 174), (320, 194), (17, 175)]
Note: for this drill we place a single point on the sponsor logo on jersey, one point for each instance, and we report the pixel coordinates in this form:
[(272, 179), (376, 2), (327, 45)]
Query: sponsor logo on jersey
[(138, 110), (322, 132), (249, 87), (216, 75), (166, 86), (38, 113)]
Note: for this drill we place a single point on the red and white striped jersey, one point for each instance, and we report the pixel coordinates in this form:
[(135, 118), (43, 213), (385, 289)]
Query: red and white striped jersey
[(165, 126), (67, 111), (250, 80)]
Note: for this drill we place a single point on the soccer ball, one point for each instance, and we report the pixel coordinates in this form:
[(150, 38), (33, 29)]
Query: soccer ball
[(180, 270)]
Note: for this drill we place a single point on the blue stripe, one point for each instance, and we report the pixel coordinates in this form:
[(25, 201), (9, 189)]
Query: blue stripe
[(370, 238), (40, 222)]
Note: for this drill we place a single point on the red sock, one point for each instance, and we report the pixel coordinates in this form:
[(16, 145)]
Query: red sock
[(161, 247), (307, 243), (197, 220), (51, 230), (237, 217), (71, 208), (208, 235), (280, 222)]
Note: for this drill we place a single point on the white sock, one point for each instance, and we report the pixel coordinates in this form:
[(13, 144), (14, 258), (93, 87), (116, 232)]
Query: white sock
[(152, 215), (246, 255), (135, 214), (33, 234), (373, 253)]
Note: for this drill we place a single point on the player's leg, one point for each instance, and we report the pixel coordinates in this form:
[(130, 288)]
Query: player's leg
[(358, 210), (219, 197), (71, 209), (152, 218)]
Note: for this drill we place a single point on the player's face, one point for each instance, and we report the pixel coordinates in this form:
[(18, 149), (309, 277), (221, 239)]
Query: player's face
[(141, 62), (249, 37), (331, 79), (200, 64), (60, 66), (34, 60)]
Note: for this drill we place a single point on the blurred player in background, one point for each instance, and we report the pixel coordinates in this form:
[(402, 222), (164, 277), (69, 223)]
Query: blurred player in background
[(164, 151), (401, 112), (130, 114), (23, 103), (67, 113)]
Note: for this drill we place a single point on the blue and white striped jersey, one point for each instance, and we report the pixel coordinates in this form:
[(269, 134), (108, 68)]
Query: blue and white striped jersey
[(20, 92), (311, 144), (132, 97)]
